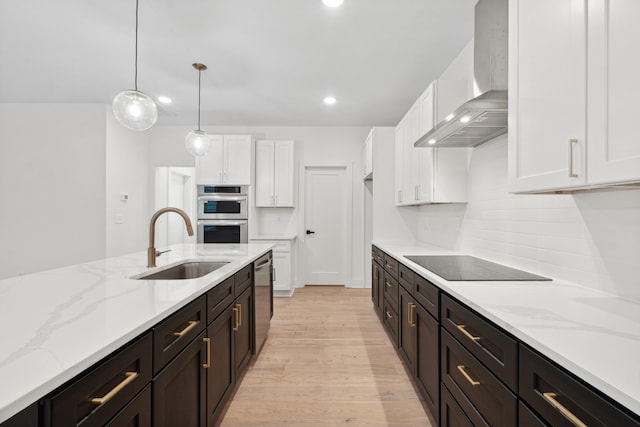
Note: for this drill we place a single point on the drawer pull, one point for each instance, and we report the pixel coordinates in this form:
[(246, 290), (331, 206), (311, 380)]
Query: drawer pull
[(411, 306), (236, 310), (207, 365), (389, 285), (462, 370), (389, 266), (192, 324), (389, 315), (466, 333), (129, 377), (551, 398)]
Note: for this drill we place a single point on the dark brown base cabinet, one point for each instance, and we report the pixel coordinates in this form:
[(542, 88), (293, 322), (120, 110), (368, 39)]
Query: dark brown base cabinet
[(469, 371), (182, 372)]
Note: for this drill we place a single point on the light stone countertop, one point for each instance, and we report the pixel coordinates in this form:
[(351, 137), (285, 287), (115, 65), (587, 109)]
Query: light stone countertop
[(57, 323), (274, 237), (592, 334)]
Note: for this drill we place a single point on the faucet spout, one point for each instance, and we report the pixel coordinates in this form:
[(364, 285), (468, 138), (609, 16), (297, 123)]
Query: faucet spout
[(151, 251)]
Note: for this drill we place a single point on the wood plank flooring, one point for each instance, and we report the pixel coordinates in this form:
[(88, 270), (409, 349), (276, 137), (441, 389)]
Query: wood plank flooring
[(327, 361)]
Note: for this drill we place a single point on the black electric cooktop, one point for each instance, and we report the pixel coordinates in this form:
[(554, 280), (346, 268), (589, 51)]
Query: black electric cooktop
[(466, 267)]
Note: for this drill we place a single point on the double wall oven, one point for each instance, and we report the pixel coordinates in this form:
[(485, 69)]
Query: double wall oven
[(222, 214)]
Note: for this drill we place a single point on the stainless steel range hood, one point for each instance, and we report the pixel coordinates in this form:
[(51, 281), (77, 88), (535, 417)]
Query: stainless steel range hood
[(485, 116)]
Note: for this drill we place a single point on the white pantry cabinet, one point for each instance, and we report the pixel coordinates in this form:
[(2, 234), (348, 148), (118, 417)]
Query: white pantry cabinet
[(228, 162), (572, 89), (274, 174), (429, 175)]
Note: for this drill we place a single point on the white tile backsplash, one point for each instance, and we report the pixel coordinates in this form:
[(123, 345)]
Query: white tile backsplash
[(590, 238)]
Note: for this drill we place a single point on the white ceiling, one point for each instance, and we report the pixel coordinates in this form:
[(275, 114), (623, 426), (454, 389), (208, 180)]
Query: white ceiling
[(270, 62)]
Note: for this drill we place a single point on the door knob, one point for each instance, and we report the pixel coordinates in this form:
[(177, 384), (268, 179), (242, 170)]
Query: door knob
[(311, 232)]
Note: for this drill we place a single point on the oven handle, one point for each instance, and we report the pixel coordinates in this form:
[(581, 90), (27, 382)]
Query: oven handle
[(223, 198), (221, 222)]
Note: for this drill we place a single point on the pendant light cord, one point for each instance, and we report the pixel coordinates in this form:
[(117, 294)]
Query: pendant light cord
[(136, 55), (199, 84)]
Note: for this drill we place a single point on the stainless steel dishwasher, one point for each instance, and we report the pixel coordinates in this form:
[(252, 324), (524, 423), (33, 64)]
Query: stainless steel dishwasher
[(263, 298)]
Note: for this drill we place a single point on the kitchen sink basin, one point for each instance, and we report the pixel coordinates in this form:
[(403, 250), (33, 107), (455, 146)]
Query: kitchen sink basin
[(185, 270)]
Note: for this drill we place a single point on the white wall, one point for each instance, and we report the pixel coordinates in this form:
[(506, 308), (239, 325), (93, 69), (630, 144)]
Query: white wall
[(590, 238), (52, 186), (313, 146), (127, 153)]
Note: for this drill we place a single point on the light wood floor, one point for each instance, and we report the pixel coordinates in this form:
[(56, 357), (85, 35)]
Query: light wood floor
[(327, 361)]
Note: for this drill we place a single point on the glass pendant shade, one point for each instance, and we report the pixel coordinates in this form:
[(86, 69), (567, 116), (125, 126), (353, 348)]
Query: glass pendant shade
[(135, 110), (197, 143)]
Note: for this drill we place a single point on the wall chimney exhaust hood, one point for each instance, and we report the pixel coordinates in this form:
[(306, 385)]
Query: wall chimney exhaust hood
[(485, 116)]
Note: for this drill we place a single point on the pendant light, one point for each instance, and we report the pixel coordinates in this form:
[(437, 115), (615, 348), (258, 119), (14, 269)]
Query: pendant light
[(132, 108), (198, 142)]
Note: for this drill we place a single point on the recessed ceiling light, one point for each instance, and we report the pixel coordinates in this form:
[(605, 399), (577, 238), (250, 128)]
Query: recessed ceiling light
[(332, 3), (164, 100), (432, 141), (329, 100)]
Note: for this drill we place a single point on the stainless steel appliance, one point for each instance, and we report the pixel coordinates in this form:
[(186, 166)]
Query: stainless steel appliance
[(222, 214), (217, 202), (263, 277)]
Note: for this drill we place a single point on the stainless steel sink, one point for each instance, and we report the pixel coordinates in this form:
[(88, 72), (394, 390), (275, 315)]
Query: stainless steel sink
[(185, 270)]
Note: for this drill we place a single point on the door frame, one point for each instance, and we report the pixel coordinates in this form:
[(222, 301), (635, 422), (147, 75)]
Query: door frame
[(348, 168)]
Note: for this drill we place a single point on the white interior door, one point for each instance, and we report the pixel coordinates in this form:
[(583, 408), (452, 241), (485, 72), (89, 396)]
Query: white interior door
[(326, 230), (175, 187)]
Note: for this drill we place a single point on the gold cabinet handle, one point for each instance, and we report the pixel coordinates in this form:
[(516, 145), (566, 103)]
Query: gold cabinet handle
[(207, 341), (237, 325), (464, 373), (129, 376), (389, 315), (572, 143), (192, 324), (389, 285), (551, 398), (239, 315), (467, 334), (411, 306)]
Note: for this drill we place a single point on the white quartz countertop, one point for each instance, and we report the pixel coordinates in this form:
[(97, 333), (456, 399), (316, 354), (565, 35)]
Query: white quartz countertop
[(57, 323), (274, 237), (594, 335)]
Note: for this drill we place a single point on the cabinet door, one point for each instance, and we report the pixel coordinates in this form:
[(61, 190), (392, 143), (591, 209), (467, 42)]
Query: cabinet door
[(427, 366), (427, 113), (284, 174), (221, 373), (614, 87), (407, 332), (209, 167), (179, 390), (399, 163), (547, 94), (136, 414), (237, 160), (282, 267), (265, 174), (412, 160), (243, 309)]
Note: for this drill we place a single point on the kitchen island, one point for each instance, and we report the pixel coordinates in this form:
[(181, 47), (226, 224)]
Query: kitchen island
[(591, 334), (58, 323)]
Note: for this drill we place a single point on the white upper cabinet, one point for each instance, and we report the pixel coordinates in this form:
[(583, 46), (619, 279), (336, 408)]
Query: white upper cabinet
[(274, 174), (570, 121), (228, 162), (422, 174), (367, 155)]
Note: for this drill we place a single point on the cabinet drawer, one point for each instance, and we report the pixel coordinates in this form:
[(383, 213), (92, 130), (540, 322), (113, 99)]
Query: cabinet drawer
[(427, 295), (243, 279), (219, 298), (391, 290), (450, 412), (484, 399), (391, 266), (390, 321), (406, 277), (377, 255), (494, 348), (558, 397), (526, 418), (174, 333), (137, 413), (104, 390)]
